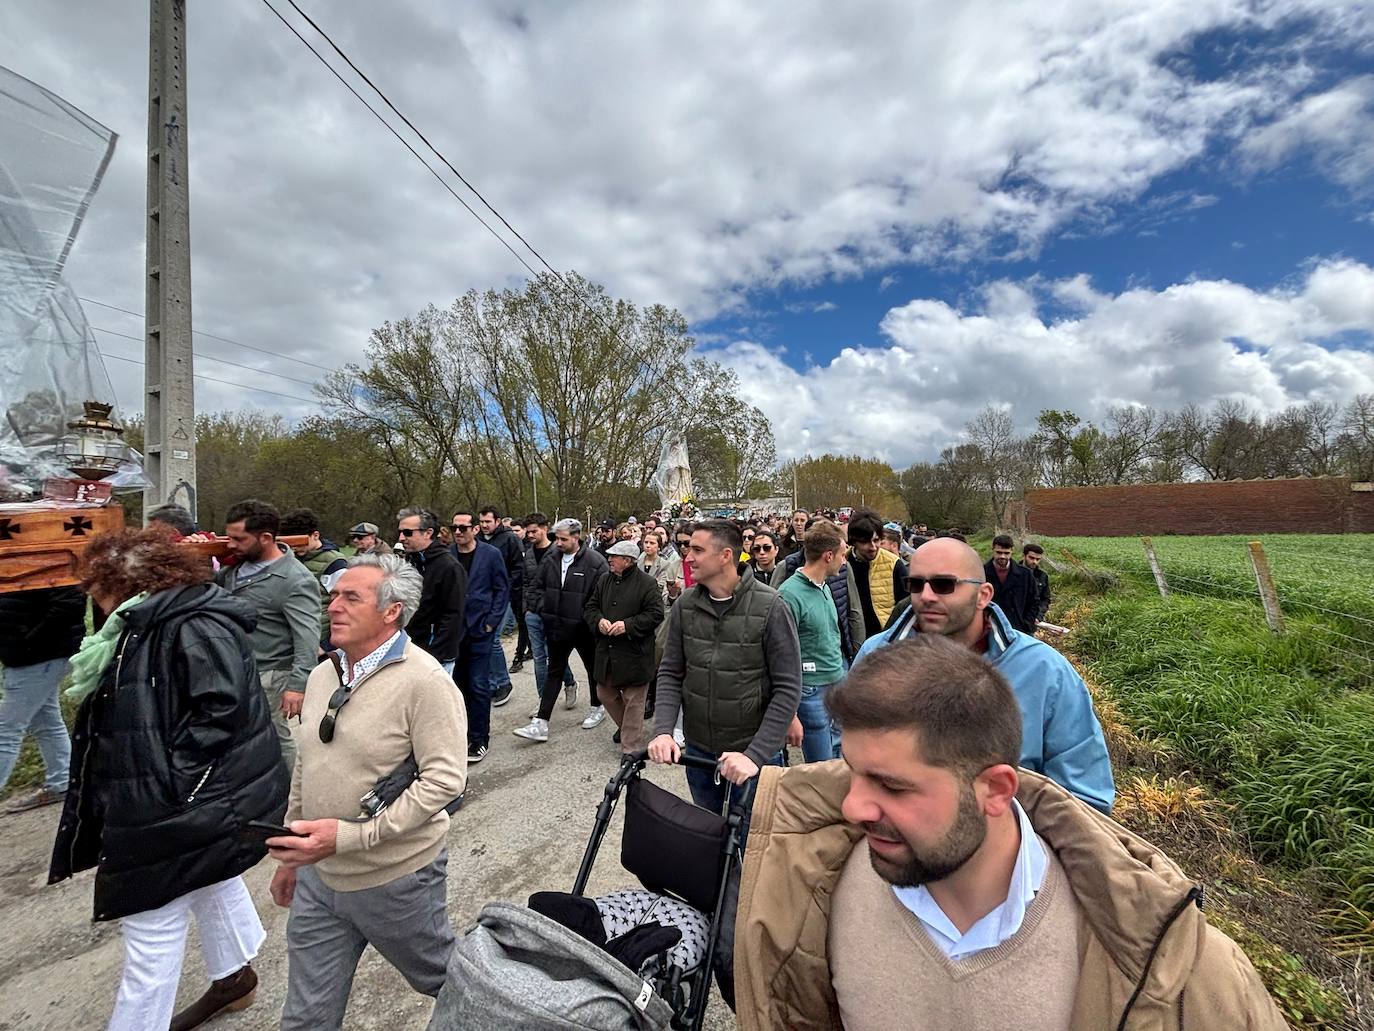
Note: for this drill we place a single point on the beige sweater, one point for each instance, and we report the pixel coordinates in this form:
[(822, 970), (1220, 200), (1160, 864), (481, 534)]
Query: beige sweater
[(403, 707), (888, 974)]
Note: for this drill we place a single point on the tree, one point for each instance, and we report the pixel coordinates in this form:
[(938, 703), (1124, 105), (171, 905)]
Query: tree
[(557, 383), (1356, 440), (839, 481), (1005, 462), (730, 443)]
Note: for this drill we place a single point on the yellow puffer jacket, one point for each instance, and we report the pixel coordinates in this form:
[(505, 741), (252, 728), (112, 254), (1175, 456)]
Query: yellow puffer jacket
[(880, 584)]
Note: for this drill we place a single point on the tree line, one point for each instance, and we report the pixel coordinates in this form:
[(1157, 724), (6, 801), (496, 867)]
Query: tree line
[(555, 396)]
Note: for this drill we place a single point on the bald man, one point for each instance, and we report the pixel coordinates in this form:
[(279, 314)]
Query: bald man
[(1060, 735)]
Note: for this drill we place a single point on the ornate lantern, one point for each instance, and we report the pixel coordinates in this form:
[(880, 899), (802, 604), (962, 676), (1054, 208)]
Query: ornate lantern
[(95, 448)]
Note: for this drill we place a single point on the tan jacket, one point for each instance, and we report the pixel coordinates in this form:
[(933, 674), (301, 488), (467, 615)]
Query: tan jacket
[(1140, 926)]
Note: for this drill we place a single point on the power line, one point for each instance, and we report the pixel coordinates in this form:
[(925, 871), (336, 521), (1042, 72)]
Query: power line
[(404, 142), (212, 336), (212, 358), (423, 138), (214, 379), (567, 287)]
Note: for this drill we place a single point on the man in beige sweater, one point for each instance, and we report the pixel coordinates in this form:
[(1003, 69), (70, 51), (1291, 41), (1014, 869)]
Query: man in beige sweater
[(350, 880), (925, 882)]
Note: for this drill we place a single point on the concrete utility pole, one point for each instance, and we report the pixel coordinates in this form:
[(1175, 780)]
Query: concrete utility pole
[(169, 395)]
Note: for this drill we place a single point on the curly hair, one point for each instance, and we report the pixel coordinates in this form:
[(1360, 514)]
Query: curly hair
[(122, 563)]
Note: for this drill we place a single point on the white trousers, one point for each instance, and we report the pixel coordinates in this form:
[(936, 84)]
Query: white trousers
[(155, 941)]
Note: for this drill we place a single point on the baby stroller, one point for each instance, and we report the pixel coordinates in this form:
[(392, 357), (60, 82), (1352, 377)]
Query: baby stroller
[(635, 959)]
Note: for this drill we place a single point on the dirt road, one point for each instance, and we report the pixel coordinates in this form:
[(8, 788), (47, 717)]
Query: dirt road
[(523, 828)]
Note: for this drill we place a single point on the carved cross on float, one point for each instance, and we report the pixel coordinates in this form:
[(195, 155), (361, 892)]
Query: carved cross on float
[(77, 526), (8, 528)]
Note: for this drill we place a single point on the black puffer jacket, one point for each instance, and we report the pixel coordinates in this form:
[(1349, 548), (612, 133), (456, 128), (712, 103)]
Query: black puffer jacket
[(41, 625), (564, 601), (171, 755)]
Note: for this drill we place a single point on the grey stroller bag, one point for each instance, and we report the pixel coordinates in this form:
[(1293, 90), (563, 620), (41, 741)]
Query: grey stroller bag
[(520, 969)]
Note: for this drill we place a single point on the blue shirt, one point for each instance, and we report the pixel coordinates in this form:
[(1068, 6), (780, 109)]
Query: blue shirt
[(1000, 924), (1060, 735)]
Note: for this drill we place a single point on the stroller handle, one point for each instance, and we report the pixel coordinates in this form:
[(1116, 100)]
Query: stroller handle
[(683, 759)]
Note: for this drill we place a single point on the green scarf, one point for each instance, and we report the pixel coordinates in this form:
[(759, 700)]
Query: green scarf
[(88, 664)]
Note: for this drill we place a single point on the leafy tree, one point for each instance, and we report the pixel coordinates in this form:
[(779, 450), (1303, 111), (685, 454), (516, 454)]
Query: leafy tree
[(837, 481)]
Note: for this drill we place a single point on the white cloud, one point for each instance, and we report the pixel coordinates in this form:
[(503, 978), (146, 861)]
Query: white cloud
[(1336, 126), (887, 281), (685, 153), (810, 307), (1192, 342)]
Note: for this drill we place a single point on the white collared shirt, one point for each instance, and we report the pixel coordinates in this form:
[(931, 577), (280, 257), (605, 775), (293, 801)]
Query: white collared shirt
[(1004, 921), (368, 662)]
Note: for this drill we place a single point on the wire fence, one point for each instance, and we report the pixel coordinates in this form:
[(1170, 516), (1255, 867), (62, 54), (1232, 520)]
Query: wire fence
[(1347, 638)]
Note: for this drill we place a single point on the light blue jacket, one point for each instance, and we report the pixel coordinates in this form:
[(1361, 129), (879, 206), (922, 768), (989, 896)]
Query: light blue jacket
[(1060, 735)]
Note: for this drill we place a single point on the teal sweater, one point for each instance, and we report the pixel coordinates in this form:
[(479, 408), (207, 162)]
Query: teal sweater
[(818, 628)]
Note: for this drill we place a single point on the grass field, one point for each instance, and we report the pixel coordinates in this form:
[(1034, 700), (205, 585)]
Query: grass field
[(1280, 727)]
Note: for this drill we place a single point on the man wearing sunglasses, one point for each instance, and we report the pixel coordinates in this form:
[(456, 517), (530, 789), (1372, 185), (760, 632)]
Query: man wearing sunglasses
[(488, 595), (1061, 737), (437, 622), (350, 881)]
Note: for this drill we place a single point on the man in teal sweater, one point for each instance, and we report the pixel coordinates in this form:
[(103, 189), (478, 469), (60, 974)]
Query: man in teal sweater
[(813, 609)]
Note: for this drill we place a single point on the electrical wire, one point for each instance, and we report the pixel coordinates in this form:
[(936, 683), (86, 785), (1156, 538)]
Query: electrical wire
[(211, 336), (215, 379), (404, 142), (212, 358), (567, 287)]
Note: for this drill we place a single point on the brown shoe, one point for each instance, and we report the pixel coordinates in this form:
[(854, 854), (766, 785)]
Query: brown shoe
[(227, 995), (37, 800)]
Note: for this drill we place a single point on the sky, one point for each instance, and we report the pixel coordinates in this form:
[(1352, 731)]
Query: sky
[(882, 216)]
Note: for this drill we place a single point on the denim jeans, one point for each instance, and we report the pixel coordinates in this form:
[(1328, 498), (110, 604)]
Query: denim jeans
[(821, 738), (472, 672), (540, 647), (498, 675), (710, 795), (30, 703), (508, 624)]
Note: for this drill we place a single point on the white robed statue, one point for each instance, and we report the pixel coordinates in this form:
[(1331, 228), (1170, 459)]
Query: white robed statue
[(673, 478)]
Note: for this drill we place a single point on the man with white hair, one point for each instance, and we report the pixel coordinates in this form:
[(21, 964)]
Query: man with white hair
[(354, 874)]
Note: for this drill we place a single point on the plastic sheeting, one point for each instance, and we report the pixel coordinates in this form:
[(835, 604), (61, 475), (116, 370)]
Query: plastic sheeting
[(52, 158)]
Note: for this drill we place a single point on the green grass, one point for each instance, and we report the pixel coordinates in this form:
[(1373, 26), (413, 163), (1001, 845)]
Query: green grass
[(1315, 574), (1282, 725)]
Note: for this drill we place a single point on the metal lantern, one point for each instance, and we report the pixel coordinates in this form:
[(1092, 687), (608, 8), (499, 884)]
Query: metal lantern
[(95, 448)]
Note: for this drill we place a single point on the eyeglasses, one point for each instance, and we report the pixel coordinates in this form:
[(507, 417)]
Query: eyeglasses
[(407, 533), (462, 527), (336, 702), (938, 584)]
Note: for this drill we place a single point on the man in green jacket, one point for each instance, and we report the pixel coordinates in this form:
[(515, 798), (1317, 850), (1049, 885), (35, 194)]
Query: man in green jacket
[(732, 665), (924, 881), (624, 609), (286, 641)]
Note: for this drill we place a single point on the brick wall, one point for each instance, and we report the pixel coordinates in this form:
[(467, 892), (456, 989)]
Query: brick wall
[(1322, 505)]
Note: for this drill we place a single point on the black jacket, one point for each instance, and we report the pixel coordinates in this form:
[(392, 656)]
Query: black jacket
[(512, 551), (1042, 591), (532, 595), (625, 660), (41, 625), (562, 604), (1017, 597), (171, 755), (437, 625)]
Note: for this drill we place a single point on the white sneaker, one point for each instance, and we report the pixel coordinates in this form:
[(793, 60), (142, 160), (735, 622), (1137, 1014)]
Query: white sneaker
[(538, 730), (570, 695), (595, 715)]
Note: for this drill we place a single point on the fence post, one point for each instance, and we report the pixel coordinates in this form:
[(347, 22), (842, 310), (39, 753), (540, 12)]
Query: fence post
[(1154, 567), (1268, 594)]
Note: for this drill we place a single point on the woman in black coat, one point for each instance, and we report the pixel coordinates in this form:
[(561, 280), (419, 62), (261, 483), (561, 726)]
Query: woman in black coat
[(173, 753)]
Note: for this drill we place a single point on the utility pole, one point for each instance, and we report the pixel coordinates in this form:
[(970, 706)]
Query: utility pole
[(169, 411)]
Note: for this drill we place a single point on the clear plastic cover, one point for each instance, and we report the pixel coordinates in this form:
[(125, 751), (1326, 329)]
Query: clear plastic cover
[(52, 158)]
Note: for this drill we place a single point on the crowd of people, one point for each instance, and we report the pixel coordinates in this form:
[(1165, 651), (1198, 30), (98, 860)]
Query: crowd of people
[(949, 814)]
